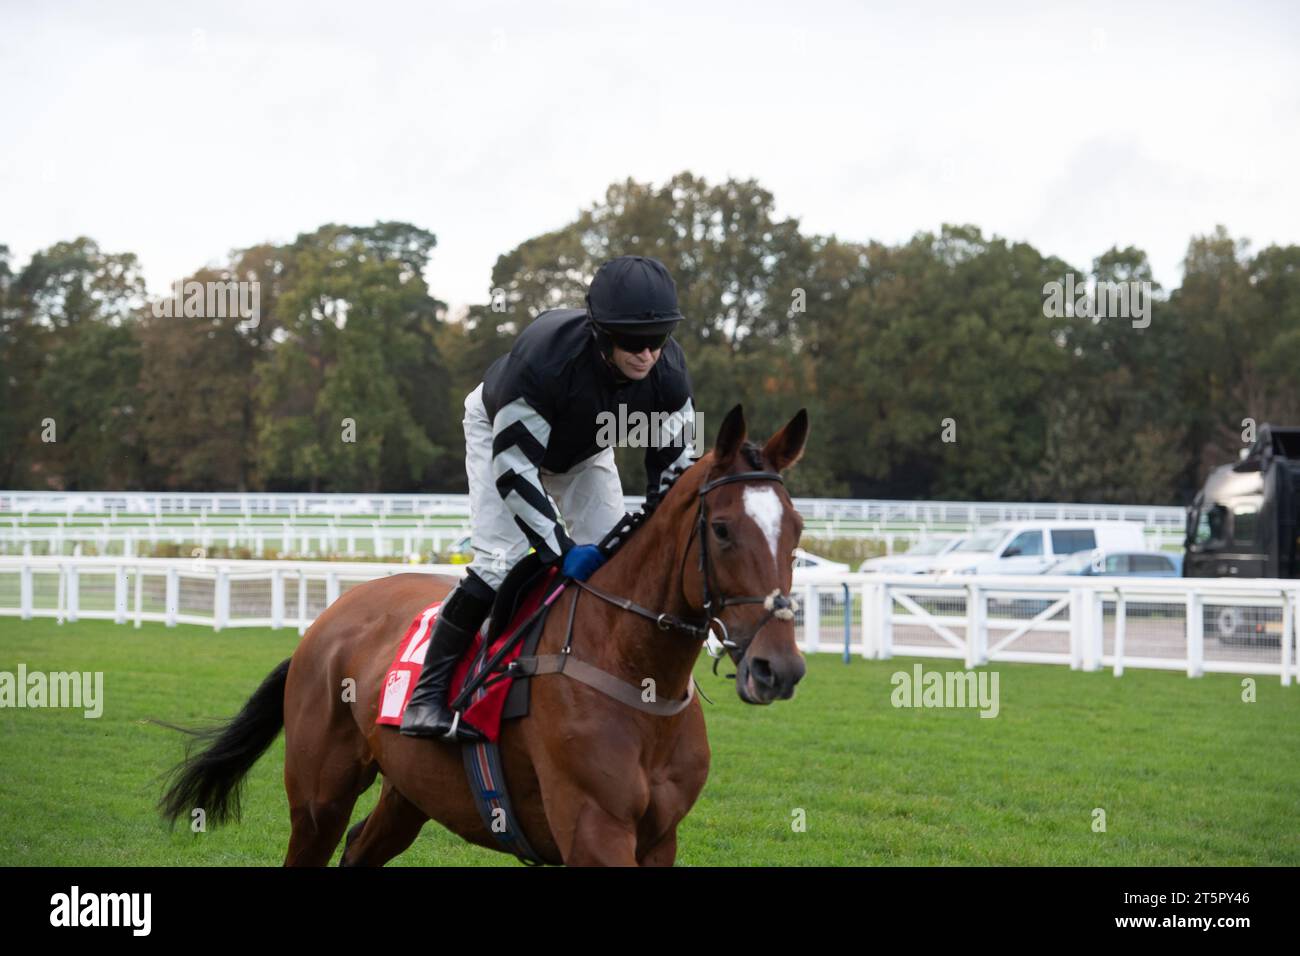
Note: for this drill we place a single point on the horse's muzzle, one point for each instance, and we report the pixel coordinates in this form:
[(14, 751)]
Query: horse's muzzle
[(761, 680)]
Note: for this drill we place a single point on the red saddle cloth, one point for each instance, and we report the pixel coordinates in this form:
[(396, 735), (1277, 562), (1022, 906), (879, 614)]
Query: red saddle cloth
[(486, 705)]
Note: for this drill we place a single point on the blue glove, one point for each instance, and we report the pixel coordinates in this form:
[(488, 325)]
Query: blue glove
[(581, 560)]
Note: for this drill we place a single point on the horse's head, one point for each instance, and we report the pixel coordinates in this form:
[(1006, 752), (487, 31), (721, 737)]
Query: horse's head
[(745, 535)]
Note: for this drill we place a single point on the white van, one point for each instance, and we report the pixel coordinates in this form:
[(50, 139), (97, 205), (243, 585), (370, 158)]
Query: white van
[(1030, 547)]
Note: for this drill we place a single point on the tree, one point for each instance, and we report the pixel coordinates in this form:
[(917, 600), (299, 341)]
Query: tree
[(73, 310), (353, 395)]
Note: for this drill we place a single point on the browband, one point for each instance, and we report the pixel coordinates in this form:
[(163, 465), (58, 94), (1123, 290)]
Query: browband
[(742, 476)]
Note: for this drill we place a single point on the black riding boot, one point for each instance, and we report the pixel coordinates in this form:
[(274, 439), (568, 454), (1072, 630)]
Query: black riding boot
[(459, 619)]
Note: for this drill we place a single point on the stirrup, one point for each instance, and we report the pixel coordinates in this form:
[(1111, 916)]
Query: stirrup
[(472, 733)]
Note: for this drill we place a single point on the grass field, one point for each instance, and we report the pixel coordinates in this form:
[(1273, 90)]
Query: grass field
[(1186, 772)]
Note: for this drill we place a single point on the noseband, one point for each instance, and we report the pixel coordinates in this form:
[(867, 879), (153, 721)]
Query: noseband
[(778, 605)]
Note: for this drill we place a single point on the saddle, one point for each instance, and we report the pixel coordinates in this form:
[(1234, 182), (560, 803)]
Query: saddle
[(520, 602)]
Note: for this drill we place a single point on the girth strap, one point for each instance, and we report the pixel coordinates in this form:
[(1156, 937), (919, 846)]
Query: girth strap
[(487, 780), (607, 684)]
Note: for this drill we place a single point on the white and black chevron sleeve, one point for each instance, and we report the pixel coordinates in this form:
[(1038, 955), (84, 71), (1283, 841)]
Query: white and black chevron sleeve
[(519, 437), (670, 453)]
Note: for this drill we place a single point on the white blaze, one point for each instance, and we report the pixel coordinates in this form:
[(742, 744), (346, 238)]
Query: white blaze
[(764, 506)]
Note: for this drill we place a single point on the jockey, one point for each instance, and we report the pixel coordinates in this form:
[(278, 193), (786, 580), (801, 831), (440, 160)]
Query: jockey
[(531, 428)]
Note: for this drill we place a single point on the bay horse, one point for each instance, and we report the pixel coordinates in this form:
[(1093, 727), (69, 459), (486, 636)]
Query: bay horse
[(592, 780)]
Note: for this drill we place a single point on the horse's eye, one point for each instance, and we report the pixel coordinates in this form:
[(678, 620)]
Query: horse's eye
[(720, 531)]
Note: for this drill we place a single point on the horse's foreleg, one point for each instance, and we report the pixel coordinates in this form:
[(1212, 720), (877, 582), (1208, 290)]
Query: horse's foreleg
[(599, 838), (663, 853)]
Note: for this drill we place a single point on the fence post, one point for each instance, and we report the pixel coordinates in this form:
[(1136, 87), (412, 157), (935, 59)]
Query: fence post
[(885, 608), (139, 596), (25, 591), (277, 598), (1076, 628), (812, 619), (302, 601), (868, 615), (848, 620), (1195, 635), (1094, 621), (221, 599), (119, 595), (1121, 622), (74, 592), (1288, 628), (173, 596), (1099, 632), (331, 588), (976, 626)]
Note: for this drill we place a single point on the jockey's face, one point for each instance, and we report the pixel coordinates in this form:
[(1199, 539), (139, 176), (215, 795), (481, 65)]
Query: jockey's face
[(635, 365)]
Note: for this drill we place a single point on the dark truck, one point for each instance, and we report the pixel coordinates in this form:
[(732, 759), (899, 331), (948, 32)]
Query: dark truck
[(1243, 523)]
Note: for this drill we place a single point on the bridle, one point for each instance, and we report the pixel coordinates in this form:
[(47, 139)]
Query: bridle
[(778, 605)]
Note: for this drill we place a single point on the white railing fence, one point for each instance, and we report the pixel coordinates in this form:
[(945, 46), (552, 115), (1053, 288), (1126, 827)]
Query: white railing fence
[(1192, 624), (354, 540), (289, 538), (960, 514), (179, 591)]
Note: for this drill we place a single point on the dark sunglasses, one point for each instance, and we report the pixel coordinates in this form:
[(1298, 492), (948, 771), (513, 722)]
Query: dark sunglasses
[(639, 343)]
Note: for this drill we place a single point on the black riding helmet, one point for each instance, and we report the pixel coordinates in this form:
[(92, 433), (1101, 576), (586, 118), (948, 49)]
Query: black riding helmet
[(632, 302)]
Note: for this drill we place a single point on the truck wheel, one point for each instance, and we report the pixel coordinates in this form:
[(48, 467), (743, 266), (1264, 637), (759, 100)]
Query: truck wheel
[(1228, 625)]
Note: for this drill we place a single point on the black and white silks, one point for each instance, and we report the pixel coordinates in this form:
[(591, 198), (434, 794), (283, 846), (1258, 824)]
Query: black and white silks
[(545, 399)]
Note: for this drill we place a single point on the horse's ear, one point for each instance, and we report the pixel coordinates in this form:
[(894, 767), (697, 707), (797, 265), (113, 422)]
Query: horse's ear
[(786, 447), (730, 436)]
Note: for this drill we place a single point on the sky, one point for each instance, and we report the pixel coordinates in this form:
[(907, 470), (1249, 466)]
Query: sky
[(181, 131)]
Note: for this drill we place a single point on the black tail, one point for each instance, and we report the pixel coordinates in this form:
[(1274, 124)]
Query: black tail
[(212, 778)]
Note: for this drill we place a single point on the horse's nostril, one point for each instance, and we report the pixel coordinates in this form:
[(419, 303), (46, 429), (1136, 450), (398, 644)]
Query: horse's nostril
[(761, 671)]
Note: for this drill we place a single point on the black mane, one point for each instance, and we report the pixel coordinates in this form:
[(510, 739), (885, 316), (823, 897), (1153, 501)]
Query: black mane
[(619, 535)]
